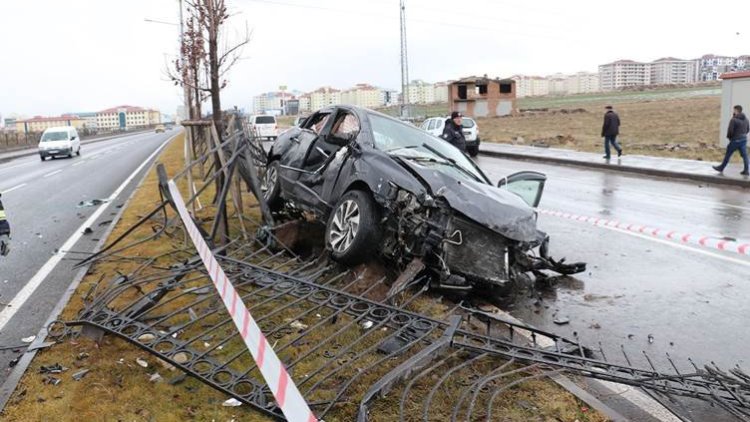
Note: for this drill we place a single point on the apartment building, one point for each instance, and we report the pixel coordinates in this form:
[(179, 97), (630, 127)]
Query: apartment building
[(442, 94), (421, 92), (268, 101), (623, 74), (711, 67), (669, 71), (530, 86), (362, 95), (39, 124), (127, 117), (323, 97), (582, 83)]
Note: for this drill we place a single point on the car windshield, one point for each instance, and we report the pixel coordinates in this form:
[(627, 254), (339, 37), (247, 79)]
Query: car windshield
[(55, 136), (467, 123), (408, 141), (264, 120)]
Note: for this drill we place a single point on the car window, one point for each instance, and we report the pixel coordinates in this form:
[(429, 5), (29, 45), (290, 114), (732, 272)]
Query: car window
[(265, 120), (468, 123), (346, 125), (55, 136), (317, 122)]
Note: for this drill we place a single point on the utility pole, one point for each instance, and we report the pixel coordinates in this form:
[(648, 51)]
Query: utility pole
[(404, 64), (186, 89)]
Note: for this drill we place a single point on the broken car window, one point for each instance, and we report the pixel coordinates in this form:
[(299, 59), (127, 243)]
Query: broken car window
[(346, 125)]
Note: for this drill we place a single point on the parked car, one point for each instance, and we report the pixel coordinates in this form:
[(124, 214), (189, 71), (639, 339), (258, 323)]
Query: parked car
[(435, 125), (382, 186), (160, 129), (59, 141), (264, 126)]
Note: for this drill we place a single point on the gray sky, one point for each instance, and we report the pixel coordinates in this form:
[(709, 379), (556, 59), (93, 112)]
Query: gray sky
[(87, 55)]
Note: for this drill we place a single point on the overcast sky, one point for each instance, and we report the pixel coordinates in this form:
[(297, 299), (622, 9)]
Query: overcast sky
[(87, 55)]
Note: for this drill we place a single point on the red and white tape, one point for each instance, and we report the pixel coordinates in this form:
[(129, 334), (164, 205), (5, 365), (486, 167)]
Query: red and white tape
[(736, 246), (287, 396)]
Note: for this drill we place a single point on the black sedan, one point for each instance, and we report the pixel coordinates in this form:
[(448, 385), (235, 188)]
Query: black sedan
[(384, 187)]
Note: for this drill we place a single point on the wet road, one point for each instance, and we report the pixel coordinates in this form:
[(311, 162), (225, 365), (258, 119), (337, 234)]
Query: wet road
[(691, 301), (41, 199)]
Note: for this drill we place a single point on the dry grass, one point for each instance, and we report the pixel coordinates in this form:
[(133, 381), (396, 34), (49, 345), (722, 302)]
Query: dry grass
[(118, 389), (670, 127)]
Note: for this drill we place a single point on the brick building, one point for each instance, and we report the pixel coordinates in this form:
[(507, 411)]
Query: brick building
[(483, 97)]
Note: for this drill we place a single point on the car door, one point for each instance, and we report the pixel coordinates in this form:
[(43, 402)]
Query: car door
[(529, 185)]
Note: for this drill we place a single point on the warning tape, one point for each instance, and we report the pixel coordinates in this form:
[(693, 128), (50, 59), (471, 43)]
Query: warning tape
[(287, 396), (710, 242)]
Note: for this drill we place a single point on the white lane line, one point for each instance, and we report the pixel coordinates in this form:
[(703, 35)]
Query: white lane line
[(79, 163), (52, 173), (14, 188), (25, 293)]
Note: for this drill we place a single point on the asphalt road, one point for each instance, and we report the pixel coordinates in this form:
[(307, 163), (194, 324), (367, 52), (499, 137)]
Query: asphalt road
[(42, 202), (647, 295)]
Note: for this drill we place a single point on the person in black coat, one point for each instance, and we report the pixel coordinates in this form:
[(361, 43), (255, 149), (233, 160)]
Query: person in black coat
[(453, 131), (4, 231), (737, 135), (610, 130)]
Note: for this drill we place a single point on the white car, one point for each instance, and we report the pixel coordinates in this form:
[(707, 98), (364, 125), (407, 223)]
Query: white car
[(59, 141), (435, 125), (264, 126)]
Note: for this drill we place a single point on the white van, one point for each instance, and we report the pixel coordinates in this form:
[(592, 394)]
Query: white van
[(264, 126), (63, 140)]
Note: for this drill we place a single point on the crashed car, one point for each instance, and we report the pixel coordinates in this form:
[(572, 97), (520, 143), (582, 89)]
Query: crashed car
[(384, 187)]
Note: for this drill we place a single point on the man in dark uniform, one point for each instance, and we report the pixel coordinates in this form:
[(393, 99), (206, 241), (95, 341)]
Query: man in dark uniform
[(610, 130), (4, 231), (737, 135), (453, 131)]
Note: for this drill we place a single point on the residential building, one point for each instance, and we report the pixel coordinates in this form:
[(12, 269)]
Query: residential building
[(671, 71), (126, 117), (362, 95), (624, 74), (557, 84), (441, 92), (420, 92), (270, 102), (483, 97), (389, 97), (324, 97), (582, 83), (304, 104), (10, 123), (710, 66), (530, 86), (39, 123), (89, 119)]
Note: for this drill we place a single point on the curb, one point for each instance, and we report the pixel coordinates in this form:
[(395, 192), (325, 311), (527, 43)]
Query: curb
[(8, 387), (34, 150), (620, 168)]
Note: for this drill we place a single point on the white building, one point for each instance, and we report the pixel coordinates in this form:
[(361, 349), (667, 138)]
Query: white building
[(324, 97), (126, 117), (421, 92), (670, 71), (582, 83), (531, 86), (710, 66), (441, 94), (270, 101), (623, 74), (363, 95)]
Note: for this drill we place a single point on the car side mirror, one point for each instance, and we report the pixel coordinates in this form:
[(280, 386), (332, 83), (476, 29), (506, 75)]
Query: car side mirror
[(341, 139)]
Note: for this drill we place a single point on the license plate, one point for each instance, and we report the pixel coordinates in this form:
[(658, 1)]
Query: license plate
[(52, 151)]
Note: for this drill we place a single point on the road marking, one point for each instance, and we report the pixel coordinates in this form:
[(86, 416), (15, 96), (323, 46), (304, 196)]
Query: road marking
[(79, 163), (14, 188), (52, 173), (28, 289)]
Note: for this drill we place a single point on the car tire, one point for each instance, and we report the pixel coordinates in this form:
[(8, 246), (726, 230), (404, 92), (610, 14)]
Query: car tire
[(349, 242), (78, 153), (43, 158), (272, 185), (473, 150)]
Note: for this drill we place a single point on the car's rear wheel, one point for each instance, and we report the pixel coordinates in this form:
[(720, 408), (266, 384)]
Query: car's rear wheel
[(271, 186), (352, 231)]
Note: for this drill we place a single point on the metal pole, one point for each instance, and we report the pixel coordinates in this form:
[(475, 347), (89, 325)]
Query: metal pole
[(404, 63)]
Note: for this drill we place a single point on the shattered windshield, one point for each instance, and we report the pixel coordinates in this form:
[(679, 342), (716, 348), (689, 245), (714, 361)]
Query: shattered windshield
[(55, 136), (410, 142)]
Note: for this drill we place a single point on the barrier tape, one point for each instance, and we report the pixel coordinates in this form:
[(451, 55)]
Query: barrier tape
[(288, 398), (710, 242)]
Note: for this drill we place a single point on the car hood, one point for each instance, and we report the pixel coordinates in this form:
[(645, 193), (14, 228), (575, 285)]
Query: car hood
[(497, 209)]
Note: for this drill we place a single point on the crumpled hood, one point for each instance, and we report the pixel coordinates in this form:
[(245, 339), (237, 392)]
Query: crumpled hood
[(497, 209)]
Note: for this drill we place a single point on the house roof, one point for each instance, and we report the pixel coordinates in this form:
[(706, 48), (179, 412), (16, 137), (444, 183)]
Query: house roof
[(735, 75), (324, 89), (37, 119), (481, 80), (128, 109)]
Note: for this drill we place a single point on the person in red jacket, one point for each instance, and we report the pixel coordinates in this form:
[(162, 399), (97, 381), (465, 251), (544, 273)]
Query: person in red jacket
[(4, 231)]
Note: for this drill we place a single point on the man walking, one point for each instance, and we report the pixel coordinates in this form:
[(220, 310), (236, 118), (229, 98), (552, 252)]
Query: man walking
[(737, 135), (610, 130), (453, 131), (4, 231)]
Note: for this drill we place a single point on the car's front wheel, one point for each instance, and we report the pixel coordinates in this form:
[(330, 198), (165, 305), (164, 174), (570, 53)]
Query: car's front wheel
[(271, 186), (352, 233)]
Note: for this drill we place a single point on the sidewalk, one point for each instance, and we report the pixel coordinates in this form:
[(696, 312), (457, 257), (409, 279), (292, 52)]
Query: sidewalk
[(33, 150), (653, 166)]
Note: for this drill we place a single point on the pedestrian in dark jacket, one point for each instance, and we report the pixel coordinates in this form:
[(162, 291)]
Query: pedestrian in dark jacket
[(453, 131), (610, 130), (4, 231), (739, 126)]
